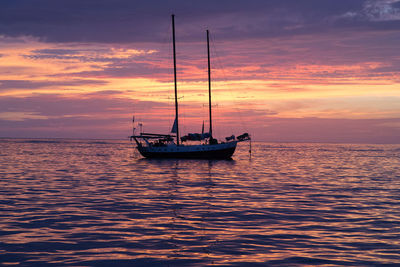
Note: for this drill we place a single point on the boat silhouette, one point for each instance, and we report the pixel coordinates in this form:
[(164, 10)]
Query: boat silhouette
[(152, 145)]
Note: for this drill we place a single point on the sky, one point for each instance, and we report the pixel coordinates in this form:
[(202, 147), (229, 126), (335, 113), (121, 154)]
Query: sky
[(282, 70)]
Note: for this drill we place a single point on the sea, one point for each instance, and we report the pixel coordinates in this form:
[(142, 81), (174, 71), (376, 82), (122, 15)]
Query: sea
[(70, 202)]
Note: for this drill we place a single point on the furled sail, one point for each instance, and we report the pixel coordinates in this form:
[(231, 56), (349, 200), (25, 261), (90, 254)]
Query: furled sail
[(174, 127), (195, 137)]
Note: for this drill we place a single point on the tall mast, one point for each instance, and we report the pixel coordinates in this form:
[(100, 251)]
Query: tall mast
[(209, 82), (176, 92)]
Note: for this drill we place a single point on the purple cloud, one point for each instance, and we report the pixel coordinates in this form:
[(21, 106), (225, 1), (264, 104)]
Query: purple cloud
[(6, 85), (329, 130), (103, 102), (147, 21), (102, 114)]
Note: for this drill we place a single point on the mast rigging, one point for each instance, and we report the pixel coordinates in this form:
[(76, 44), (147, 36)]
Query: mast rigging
[(176, 91)]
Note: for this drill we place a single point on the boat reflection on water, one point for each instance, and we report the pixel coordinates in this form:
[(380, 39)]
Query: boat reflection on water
[(188, 207), (182, 216)]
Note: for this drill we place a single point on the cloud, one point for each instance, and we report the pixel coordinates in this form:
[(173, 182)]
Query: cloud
[(148, 21), (92, 104), (21, 116), (329, 130), (381, 10), (88, 53), (107, 114), (280, 58), (7, 85), (103, 114), (128, 70)]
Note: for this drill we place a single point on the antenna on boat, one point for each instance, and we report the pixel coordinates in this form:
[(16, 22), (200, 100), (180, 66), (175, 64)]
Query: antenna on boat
[(176, 93), (141, 128), (250, 148), (133, 125)]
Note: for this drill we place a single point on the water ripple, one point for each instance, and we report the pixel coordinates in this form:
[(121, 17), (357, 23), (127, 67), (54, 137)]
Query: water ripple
[(97, 203)]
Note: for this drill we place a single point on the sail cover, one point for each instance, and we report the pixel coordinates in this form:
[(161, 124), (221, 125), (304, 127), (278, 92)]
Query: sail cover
[(174, 127)]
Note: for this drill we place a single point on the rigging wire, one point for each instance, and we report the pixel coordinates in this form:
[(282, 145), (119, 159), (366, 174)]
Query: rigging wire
[(215, 96), (171, 104), (164, 55), (235, 106)]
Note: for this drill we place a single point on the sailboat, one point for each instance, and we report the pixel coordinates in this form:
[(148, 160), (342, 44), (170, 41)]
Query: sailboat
[(152, 145)]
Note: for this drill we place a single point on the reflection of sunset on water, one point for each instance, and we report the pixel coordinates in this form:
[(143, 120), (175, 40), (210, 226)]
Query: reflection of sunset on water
[(92, 202)]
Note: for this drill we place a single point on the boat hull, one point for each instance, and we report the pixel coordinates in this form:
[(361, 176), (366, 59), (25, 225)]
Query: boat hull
[(219, 151)]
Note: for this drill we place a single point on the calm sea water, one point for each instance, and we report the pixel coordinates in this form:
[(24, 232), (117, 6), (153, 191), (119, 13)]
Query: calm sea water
[(98, 203)]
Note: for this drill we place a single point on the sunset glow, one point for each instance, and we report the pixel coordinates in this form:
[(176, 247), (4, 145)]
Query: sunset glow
[(273, 74)]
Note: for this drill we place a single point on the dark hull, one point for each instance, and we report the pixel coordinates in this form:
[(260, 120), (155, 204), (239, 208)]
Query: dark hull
[(212, 154)]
